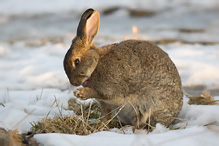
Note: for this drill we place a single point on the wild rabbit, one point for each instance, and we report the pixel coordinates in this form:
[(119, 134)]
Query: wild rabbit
[(133, 73)]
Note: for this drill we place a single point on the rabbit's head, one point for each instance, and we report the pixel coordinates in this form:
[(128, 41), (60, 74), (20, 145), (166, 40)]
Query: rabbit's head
[(82, 57)]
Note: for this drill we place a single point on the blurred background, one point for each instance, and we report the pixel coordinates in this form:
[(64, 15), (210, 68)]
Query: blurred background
[(36, 34)]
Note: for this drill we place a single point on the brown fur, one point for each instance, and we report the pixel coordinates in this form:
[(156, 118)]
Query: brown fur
[(133, 73)]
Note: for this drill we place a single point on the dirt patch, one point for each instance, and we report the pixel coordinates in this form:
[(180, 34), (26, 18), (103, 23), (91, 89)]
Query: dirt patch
[(110, 10), (204, 99), (167, 41), (131, 12), (12, 138), (191, 30), (140, 13)]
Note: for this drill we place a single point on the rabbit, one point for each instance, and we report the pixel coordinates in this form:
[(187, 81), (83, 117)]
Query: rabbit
[(134, 79)]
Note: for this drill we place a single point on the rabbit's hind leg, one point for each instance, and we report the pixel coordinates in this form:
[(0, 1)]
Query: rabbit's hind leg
[(162, 116), (106, 111), (141, 119)]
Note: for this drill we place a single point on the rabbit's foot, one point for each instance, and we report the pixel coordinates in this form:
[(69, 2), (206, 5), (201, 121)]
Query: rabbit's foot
[(81, 93), (85, 93)]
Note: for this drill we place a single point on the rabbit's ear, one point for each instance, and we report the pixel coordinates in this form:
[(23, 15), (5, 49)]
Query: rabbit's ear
[(88, 26)]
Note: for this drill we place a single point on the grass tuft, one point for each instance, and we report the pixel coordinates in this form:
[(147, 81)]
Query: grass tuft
[(86, 120)]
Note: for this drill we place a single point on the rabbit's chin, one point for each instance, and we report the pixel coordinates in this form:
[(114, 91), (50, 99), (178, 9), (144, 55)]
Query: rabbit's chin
[(85, 83)]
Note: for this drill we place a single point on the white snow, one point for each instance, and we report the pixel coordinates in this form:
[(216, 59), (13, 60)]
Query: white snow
[(18, 105), (35, 104), (195, 136), (197, 64), (32, 74)]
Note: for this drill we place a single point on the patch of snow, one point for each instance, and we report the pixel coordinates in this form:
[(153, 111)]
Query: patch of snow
[(197, 64), (196, 136), (22, 107), (160, 129)]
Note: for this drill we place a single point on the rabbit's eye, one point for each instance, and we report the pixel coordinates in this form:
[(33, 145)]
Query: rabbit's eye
[(77, 61)]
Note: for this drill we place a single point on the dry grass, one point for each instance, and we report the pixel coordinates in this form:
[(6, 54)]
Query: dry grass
[(71, 125), (204, 99), (86, 120)]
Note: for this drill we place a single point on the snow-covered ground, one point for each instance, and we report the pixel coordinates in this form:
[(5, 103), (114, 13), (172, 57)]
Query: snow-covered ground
[(23, 107), (35, 35)]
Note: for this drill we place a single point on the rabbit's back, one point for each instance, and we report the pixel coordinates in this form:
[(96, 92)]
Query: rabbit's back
[(142, 73), (132, 65)]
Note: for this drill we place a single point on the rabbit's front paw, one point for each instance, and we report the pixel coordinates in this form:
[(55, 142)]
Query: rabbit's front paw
[(81, 93)]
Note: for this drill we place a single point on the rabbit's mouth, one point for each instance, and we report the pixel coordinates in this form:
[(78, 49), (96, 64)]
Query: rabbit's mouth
[(85, 83)]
